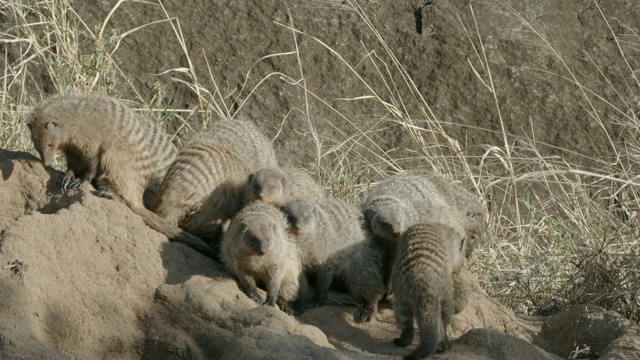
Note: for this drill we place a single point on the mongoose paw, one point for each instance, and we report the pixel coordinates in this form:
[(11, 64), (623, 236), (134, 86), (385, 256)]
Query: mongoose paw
[(443, 346), (77, 183), (256, 298), (288, 309), (362, 315), (401, 342), (313, 305), (105, 192), (65, 181)]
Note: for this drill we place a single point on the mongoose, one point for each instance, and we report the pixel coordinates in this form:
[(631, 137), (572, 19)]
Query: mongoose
[(200, 167), (333, 245), (466, 203), (278, 186), (257, 248), (245, 139), (205, 184), (429, 255), (403, 200), (110, 146)]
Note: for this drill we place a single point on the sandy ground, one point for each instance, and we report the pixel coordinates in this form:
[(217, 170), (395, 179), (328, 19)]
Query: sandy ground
[(85, 277)]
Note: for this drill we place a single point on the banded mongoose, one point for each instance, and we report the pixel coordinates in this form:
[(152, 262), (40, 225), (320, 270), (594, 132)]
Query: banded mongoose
[(278, 186), (257, 248), (403, 200), (122, 153), (429, 256), (205, 184), (466, 203), (333, 244)]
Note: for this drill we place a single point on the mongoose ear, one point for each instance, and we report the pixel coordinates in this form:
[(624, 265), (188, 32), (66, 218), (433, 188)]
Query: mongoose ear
[(52, 124)]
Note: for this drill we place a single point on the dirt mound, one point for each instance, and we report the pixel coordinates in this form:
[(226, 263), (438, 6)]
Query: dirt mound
[(85, 278)]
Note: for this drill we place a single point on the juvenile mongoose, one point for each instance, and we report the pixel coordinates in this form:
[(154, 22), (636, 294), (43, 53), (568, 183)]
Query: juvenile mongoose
[(332, 244), (257, 248), (109, 145), (278, 186), (245, 139), (429, 255)]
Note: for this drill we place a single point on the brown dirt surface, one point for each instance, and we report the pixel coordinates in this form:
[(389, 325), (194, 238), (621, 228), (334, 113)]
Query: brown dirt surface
[(431, 44), (85, 277)]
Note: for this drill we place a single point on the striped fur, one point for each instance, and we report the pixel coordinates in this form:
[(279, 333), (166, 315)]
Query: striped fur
[(429, 255), (121, 152), (199, 169), (333, 245), (257, 249)]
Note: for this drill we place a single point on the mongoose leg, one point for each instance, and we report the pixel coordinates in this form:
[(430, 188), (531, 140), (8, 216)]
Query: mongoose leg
[(365, 312), (249, 287), (404, 318), (301, 301), (444, 344), (322, 285), (73, 179), (273, 288)]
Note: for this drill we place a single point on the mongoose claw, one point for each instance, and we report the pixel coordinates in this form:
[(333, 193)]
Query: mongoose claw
[(65, 181), (288, 309), (256, 298), (362, 315), (313, 305), (105, 192), (401, 342), (443, 346)]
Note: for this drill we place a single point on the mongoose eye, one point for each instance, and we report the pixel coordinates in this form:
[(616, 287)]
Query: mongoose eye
[(50, 145), (253, 239)]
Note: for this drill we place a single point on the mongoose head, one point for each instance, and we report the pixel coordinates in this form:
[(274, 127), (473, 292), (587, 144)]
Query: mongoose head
[(301, 215), (388, 218), (257, 236), (266, 185), (474, 224), (46, 136)]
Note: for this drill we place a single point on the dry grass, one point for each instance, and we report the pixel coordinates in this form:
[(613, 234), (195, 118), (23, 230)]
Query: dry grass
[(558, 234)]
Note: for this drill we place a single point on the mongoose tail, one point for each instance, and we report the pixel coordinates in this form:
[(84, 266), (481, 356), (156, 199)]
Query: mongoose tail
[(172, 232)]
